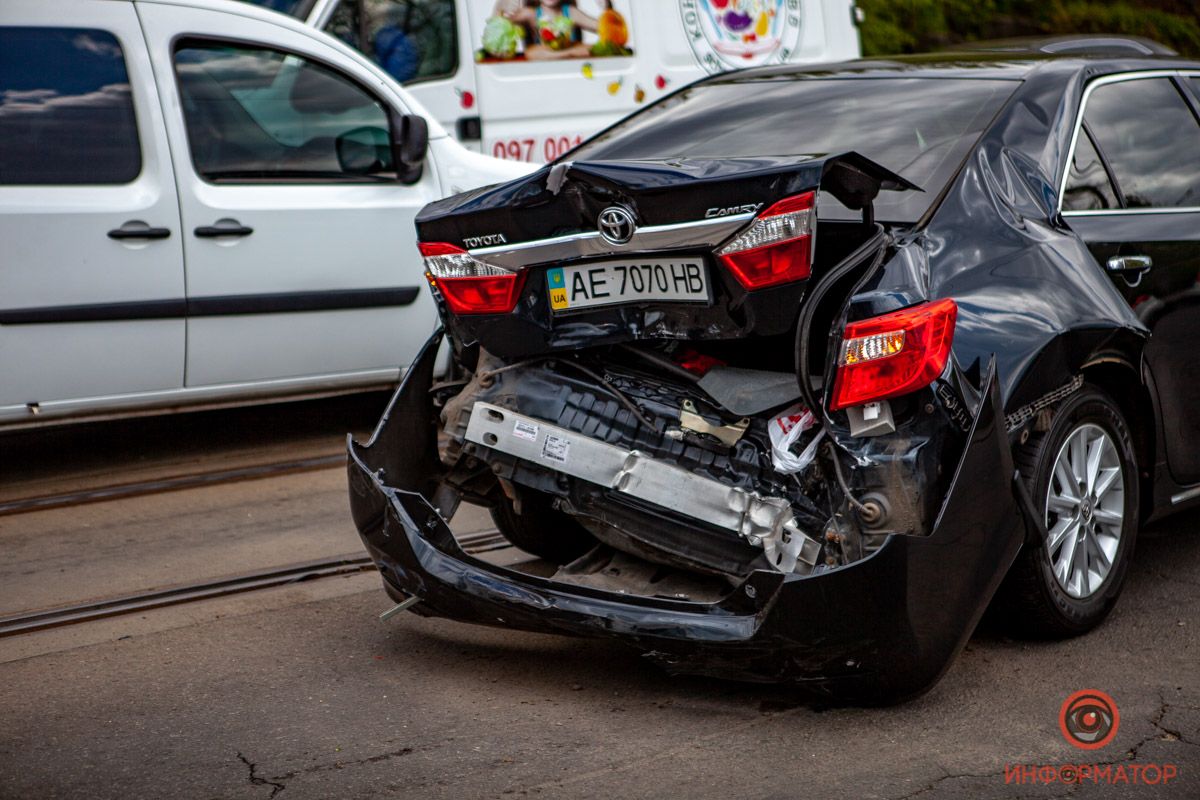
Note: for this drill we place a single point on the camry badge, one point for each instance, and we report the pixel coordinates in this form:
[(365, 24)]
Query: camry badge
[(616, 225)]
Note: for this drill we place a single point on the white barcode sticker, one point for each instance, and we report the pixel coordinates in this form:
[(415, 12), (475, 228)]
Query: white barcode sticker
[(556, 448), (525, 430)]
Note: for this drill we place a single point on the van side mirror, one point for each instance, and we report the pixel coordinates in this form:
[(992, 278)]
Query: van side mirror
[(410, 140)]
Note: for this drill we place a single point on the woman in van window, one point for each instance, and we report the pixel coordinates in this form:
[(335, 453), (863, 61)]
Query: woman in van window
[(553, 28)]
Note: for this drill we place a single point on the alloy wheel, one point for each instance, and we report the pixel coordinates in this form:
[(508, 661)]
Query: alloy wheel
[(1085, 511)]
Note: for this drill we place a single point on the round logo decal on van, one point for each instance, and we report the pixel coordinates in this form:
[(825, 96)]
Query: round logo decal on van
[(729, 34)]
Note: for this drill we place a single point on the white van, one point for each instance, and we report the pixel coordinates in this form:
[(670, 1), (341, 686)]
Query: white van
[(202, 201), (529, 79)]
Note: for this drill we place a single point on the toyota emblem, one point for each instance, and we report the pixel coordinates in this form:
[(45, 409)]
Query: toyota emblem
[(616, 225)]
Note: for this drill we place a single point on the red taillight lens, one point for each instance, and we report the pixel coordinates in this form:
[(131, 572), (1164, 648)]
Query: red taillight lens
[(470, 286), (894, 354), (493, 294), (776, 248)]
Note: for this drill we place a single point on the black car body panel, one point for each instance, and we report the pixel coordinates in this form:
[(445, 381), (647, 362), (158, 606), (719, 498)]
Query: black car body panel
[(884, 610)]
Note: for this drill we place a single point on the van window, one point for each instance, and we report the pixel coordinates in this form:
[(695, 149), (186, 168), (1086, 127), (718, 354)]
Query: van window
[(413, 40), (258, 115), (66, 111), (1151, 140)]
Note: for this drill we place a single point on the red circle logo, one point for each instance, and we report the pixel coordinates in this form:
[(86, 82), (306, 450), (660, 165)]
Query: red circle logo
[(1089, 719)]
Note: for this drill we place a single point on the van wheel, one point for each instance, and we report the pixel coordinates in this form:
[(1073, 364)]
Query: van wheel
[(1082, 476), (540, 529)]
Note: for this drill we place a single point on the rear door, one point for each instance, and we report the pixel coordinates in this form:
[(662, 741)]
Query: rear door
[(301, 266), (91, 277), (1133, 195)]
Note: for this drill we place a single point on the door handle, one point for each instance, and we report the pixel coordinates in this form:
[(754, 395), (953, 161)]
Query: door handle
[(1131, 268), (223, 228), (127, 231)]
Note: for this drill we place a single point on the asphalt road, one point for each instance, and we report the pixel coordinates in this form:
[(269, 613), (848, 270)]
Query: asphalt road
[(301, 692)]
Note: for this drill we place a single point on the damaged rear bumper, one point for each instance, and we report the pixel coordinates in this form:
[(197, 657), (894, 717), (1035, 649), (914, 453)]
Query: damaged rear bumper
[(879, 629)]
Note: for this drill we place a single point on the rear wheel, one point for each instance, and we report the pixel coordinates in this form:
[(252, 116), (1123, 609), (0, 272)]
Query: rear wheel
[(1082, 476), (541, 529)]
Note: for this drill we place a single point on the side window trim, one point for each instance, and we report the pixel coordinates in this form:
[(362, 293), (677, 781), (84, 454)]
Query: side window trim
[(1190, 97), (1174, 75), (1108, 170)]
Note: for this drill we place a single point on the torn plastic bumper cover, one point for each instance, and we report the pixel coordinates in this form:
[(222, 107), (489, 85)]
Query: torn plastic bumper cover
[(882, 628)]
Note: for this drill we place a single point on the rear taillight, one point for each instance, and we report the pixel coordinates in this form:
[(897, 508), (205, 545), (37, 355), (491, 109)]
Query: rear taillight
[(894, 354), (776, 248), (470, 286)]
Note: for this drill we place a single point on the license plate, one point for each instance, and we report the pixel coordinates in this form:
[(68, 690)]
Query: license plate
[(659, 280)]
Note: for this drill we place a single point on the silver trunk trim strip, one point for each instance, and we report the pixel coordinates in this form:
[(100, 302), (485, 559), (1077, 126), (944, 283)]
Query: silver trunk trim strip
[(698, 233), (765, 522)]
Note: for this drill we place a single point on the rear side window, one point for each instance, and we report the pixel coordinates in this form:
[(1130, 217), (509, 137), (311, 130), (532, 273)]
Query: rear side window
[(66, 111), (1151, 140), (260, 115), (1088, 186), (412, 40)]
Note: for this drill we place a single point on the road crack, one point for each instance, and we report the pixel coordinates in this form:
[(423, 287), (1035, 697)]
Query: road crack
[(336, 765), (276, 788), (949, 776)]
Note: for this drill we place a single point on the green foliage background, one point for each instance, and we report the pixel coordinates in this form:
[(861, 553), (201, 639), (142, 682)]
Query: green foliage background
[(911, 26)]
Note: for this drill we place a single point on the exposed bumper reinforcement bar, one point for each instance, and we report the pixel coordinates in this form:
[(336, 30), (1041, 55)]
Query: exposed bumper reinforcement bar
[(765, 522)]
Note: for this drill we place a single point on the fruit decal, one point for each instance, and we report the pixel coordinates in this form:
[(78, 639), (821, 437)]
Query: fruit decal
[(613, 33), (557, 32), (615, 86), (501, 39), (466, 98), (536, 30), (741, 33)]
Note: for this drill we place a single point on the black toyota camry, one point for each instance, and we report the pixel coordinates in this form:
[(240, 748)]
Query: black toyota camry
[(792, 374)]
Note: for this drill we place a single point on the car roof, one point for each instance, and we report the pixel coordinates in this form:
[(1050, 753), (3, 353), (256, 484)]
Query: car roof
[(979, 64)]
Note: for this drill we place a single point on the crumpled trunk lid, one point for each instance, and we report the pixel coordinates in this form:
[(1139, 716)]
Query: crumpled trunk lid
[(567, 197), (681, 212)]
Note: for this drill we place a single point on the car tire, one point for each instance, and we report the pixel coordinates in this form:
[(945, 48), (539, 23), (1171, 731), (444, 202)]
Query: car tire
[(1052, 591), (540, 529)]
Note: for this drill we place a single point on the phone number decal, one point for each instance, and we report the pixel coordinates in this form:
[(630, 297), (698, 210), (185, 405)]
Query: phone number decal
[(530, 149)]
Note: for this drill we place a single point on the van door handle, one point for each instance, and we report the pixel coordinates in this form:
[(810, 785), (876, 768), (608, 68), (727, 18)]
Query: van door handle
[(138, 230), (224, 227), (1131, 268)]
